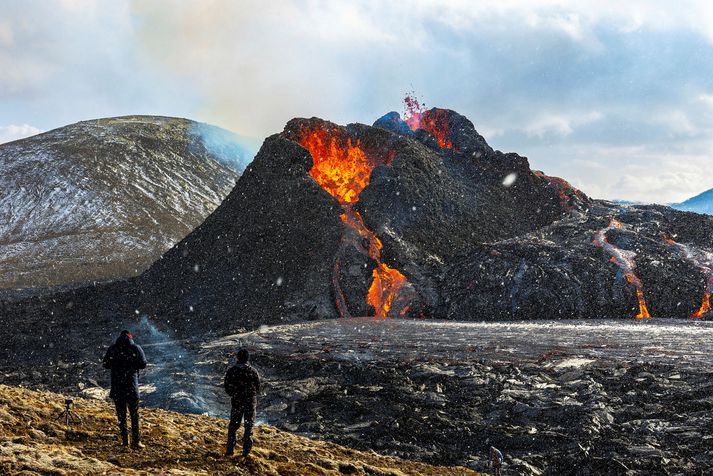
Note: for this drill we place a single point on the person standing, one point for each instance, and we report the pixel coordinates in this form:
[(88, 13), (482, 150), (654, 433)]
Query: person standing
[(124, 358), (242, 383), (496, 461)]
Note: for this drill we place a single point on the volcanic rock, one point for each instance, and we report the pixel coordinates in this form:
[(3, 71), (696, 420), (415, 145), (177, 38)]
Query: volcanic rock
[(430, 222), (266, 255), (557, 397), (558, 272)]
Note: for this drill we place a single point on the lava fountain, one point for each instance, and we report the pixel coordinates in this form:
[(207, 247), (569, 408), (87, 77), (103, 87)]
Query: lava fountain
[(434, 121), (703, 260), (343, 169), (624, 259)]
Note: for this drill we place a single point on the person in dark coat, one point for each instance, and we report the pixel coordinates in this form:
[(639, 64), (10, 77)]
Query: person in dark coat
[(242, 383), (496, 461), (125, 359)]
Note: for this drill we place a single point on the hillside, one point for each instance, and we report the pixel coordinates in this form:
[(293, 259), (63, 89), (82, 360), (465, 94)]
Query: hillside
[(103, 199), (33, 442), (701, 203), (337, 221), (279, 249)]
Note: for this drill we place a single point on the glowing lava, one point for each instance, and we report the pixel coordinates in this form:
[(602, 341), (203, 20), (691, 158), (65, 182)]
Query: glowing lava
[(705, 306), (566, 191), (624, 259), (340, 168), (434, 121), (387, 281), (703, 260), (343, 170)]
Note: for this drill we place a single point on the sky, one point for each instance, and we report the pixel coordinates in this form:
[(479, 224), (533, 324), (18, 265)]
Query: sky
[(616, 97)]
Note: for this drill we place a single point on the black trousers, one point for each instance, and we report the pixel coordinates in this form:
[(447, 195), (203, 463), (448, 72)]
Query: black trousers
[(240, 411), (133, 406)]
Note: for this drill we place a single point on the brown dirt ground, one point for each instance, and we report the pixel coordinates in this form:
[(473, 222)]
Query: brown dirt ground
[(33, 442)]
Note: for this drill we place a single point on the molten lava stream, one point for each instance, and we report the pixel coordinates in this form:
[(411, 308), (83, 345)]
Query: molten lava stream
[(624, 259), (705, 306), (343, 170), (704, 262), (387, 281)]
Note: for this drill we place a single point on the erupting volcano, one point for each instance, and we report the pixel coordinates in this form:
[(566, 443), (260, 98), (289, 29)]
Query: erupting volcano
[(343, 169), (434, 121), (624, 259), (703, 261)]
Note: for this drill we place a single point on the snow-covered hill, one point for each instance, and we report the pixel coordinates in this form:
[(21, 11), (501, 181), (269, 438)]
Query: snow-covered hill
[(103, 199), (701, 203)]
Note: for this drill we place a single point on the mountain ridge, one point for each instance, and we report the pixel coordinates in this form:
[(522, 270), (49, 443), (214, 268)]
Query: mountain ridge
[(701, 203), (101, 199)]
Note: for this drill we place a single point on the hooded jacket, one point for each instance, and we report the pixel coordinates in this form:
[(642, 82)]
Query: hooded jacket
[(242, 383), (125, 359)]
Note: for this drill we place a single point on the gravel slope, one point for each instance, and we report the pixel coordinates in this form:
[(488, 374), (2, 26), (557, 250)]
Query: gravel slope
[(33, 442)]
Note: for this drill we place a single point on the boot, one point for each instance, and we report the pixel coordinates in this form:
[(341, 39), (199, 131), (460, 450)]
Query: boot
[(247, 446), (124, 437), (135, 443), (229, 450), (230, 447)]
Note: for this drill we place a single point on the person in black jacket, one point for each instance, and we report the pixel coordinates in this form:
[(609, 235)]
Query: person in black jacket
[(242, 383), (125, 359)]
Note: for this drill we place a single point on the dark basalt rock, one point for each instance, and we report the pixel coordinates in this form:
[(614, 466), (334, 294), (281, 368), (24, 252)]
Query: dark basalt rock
[(558, 272), (265, 256), (471, 247)]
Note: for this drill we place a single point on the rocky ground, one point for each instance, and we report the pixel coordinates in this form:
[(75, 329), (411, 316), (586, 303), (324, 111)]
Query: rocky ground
[(600, 397), (34, 442)]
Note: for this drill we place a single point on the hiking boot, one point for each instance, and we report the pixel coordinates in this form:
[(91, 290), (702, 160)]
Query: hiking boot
[(137, 446), (247, 446)]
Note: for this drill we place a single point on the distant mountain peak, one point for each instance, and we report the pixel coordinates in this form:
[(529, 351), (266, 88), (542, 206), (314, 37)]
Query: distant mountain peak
[(701, 203)]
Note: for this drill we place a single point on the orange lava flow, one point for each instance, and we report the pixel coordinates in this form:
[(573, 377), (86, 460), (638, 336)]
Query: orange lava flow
[(643, 310), (705, 306), (705, 265), (566, 191), (624, 259), (343, 170), (387, 281), (434, 121)]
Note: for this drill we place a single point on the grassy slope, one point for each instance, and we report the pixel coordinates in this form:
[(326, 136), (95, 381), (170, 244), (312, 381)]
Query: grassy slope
[(33, 442)]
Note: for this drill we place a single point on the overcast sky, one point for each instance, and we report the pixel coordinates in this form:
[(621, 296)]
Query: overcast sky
[(617, 99)]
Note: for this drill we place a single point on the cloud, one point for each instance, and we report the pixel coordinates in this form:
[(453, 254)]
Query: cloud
[(15, 132), (6, 34), (69, 60), (561, 124), (569, 84), (655, 175)]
